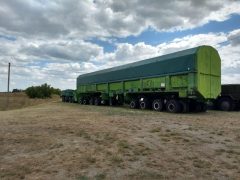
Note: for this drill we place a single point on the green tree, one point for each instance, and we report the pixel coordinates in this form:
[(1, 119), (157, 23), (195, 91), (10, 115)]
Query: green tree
[(43, 91)]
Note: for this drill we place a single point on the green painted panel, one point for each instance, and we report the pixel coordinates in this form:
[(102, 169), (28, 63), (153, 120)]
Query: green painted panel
[(204, 61), (154, 83), (102, 87), (82, 88), (118, 86), (132, 86), (168, 83), (204, 81), (215, 63), (179, 81), (209, 72), (192, 81), (182, 93), (215, 83), (91, 88)]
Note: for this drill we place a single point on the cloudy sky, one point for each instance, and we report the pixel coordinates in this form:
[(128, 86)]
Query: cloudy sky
[(55, 41)]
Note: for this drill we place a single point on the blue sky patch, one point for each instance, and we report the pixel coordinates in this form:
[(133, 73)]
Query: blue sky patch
[(153, 37), (10, 38)]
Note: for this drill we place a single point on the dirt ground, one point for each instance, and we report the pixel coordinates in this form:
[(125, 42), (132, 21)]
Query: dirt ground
[(70, 141)]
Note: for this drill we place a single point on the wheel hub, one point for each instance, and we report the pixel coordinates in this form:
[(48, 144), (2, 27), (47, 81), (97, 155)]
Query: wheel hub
[(156, 106), (171, 107)]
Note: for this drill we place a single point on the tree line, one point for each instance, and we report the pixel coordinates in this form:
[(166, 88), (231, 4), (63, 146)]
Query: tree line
[(42, 91)]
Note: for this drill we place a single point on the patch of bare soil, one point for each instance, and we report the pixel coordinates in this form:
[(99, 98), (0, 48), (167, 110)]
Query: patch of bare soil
[(70, 141)]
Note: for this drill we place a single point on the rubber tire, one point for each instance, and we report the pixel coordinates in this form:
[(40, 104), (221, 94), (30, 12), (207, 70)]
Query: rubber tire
[(80, 100), (159, 104), (104, 102), (134, 104), (238, 106), (144, 104), (204, 107), (112, 102), (225, 104), (91, 101), (97, 101), (197, 107), (173, 106), (184, 106), (85, 101), (66, 99)]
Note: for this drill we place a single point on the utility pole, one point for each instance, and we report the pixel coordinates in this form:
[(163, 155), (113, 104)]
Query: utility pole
[(9, 65)]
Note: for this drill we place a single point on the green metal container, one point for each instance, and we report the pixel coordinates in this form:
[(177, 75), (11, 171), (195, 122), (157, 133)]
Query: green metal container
[(192, 73)]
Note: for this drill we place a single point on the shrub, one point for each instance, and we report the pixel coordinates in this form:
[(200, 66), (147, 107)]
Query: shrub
[(43, 91)]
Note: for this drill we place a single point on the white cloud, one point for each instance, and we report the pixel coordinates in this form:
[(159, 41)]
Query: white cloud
[(126, 52), (231, 78), (62, 73), (107, 18), (229, 53), (68, 50), (49, 38), (234, 37)]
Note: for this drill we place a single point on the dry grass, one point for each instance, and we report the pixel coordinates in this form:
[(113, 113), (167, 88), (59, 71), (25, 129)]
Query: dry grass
[(10, 101), (69, 141)]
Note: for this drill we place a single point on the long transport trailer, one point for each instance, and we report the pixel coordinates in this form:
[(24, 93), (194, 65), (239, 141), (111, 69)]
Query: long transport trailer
[(178, 82)]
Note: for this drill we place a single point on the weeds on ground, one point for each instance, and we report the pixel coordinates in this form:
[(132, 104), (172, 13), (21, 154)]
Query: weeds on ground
[(90, 158), (158, 129), (145, 174), (201, 163), (83, 133), (116, 159), (123, 144)]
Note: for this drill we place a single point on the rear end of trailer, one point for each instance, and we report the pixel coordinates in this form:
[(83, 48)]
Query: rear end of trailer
[(205, 84)]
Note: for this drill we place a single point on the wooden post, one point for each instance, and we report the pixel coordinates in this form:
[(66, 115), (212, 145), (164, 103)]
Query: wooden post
[(9, 65)]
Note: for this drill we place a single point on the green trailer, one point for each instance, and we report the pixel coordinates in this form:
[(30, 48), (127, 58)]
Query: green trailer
[(68, 95), (178, 82)]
